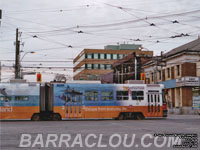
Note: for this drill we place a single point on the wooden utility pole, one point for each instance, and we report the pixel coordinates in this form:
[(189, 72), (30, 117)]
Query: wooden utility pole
[(0, 16), (17, 57)]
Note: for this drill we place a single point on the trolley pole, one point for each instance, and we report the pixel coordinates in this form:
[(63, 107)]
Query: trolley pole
[(17, 57)]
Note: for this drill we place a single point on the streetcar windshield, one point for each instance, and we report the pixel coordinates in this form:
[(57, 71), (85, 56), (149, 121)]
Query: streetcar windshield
[(163, 96)]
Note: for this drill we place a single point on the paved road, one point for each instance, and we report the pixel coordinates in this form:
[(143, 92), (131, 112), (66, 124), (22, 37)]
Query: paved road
[(95, 133)]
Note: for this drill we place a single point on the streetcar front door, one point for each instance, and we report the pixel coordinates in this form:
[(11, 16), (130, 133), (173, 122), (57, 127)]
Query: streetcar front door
[(153, 104)]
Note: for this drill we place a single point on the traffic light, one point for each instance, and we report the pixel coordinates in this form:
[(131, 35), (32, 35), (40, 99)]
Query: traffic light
[(142, 76), (39, 77)]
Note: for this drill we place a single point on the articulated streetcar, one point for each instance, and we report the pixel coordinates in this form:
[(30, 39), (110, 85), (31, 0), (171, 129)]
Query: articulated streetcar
[(56, 101)]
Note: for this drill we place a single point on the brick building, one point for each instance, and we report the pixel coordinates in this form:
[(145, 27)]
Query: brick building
[(128, 68), (179, 71), (92, 64)]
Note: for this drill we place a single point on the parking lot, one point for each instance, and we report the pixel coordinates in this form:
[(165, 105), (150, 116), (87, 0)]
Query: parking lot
[(86, 133)]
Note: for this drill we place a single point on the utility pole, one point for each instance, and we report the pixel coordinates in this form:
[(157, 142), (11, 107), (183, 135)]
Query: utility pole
[(135, 67), (122, 74), (17, 56), (156, 70), (0, 71), (0, 16)]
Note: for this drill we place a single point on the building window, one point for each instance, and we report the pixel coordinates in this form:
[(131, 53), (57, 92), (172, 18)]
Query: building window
[(89, 66), (137, 95), (122, 95), (108, 67), (168, 72), (178, 70), (160, 77), (91, 95), (89, 56), (152, 77), (163, 74), (114, 56), (102, 56), (96, 56), (96, 66), (107, 95), (121, 56), (102, 66), (108, 56)]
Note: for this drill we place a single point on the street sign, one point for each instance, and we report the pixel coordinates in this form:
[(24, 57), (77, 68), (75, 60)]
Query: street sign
[(187, 81)]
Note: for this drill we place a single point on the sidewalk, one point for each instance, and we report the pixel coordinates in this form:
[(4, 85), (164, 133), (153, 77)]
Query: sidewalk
[(183, 111)]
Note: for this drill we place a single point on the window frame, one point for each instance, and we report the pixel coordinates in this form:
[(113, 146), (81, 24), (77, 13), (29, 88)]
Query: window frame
[(21, 96), (110, 57), (122, 97), (137, 96), (93, 97), (89, 54), (178, 70), (114, 56), (110, 97), (96, 54), (108, 68), (121, 56), (102, 55), (89, 67), (96, 65), (103, 68), (5, 98), (168, 72)]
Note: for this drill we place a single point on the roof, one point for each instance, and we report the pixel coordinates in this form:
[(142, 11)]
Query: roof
[(123, 47), (193, 46), (129, 57)]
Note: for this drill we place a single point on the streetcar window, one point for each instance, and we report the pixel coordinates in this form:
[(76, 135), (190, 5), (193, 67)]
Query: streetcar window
[(21, 98), (2, 98), (5, 98), (155, 97), (91, 95), (163, 97), (137, 95), (151, 98), (122, 95), (148, 98), (158, 98), (107, 95)]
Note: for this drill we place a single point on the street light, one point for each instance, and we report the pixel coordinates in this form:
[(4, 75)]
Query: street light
[(31, 52)]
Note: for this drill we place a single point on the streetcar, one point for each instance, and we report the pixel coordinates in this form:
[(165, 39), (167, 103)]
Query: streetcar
[(62, 101)]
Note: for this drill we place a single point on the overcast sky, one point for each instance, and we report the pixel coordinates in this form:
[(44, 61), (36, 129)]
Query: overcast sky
[(52, 28)]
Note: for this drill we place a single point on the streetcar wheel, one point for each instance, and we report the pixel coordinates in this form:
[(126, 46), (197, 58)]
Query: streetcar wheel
[(56, 117), (139, 116), (121, 117), (35, 117)]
